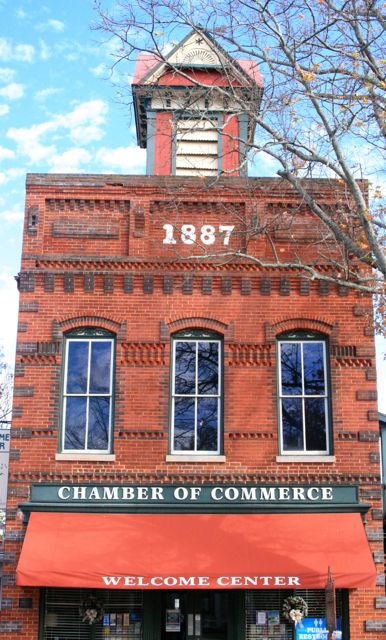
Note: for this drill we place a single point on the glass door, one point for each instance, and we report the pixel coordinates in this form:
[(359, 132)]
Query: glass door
[(197, 615)]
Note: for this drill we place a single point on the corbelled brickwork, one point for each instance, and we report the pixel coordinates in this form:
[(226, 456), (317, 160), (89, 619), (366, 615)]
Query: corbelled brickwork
[(107, 252)]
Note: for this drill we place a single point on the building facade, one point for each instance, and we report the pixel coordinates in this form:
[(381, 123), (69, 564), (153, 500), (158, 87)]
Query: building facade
[(194, 451)]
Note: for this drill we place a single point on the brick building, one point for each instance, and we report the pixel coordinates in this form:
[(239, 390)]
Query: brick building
[(194, 440)]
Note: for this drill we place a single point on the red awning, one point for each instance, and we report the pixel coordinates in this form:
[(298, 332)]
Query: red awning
[(195, 551)]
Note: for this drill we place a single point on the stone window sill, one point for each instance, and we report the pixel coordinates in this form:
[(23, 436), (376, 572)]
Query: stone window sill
[(310, 459), (195, 458), (85, 457)]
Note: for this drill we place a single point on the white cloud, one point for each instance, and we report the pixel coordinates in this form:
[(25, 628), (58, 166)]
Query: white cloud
[(4, 109), (12, 215), (129, 159), (6, 154), (70, 161), (28, 141), (100, 70), (6, 74), (45, 51), (46, 93), (8, 321), (83, 124), (85, 121), (18, 52), (12, 91), (57, 25), (11, 174)]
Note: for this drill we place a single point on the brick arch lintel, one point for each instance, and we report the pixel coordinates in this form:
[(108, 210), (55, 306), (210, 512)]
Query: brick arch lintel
[(170, 326), (303, 323), (116, 326)]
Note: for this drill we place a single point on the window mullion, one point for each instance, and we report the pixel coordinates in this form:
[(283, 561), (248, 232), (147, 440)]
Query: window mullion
[(303, 396), (196, 401), (90, 342)]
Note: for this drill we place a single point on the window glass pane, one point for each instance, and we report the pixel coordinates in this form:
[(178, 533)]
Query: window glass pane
[(315, 417), (292, 424), (100, 367), (77, 366), (207, 424), (98, 423), (184, 410), (291, 368), (185, 368), (75, 423), (208, 368), (313, 368)]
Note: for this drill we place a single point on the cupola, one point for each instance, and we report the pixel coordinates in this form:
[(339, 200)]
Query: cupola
[(194, 109)]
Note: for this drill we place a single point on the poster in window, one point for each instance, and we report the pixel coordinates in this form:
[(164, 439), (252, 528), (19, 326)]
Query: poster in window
[(173, 620)]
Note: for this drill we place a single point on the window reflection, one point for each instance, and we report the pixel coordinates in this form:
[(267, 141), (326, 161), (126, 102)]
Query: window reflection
[(303, 390), (196, 395), (87, 398)]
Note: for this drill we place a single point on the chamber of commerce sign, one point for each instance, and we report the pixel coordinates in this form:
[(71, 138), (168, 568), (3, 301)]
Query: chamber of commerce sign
[(195, 496)]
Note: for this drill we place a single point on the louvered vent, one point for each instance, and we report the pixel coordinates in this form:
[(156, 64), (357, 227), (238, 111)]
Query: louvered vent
[(196, 147)]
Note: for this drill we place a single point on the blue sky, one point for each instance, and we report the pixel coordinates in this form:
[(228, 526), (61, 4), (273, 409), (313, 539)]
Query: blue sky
[(58, 113)]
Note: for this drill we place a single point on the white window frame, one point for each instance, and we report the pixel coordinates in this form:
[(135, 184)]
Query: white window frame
[(88, 339), (325, 396), (218, 396)]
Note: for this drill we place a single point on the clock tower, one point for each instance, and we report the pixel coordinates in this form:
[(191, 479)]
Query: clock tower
[(195, 108)]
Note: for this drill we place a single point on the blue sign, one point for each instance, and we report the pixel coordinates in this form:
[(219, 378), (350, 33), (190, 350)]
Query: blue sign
[(315, 629)]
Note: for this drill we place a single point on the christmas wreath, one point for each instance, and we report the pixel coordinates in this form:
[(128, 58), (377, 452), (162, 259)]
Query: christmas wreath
[(91, 610), (295, 609)]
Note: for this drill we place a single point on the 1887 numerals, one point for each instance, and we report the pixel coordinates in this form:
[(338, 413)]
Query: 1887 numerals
[(207, 234)]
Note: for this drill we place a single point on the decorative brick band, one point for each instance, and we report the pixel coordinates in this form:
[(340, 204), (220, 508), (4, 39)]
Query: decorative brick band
[(141, 435), (360, 363), (39, 359), (80, 204), (249, 355), (347, 435), (212, 476), (162, 207), (249, 435), (143, 353)]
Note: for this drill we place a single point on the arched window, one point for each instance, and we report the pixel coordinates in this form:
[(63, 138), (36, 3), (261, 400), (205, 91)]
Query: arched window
[(87, 391), (304, 399), (196, 402)]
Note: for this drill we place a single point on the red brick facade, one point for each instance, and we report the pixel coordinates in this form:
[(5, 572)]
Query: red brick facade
[(93, 256)]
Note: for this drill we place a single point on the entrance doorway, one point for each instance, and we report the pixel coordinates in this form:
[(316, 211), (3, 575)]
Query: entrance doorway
[(197, 615)]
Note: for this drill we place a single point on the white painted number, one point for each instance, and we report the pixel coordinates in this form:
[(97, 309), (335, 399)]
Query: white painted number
[(168, 239), (207, 236), (227, 230), (188, 234)]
